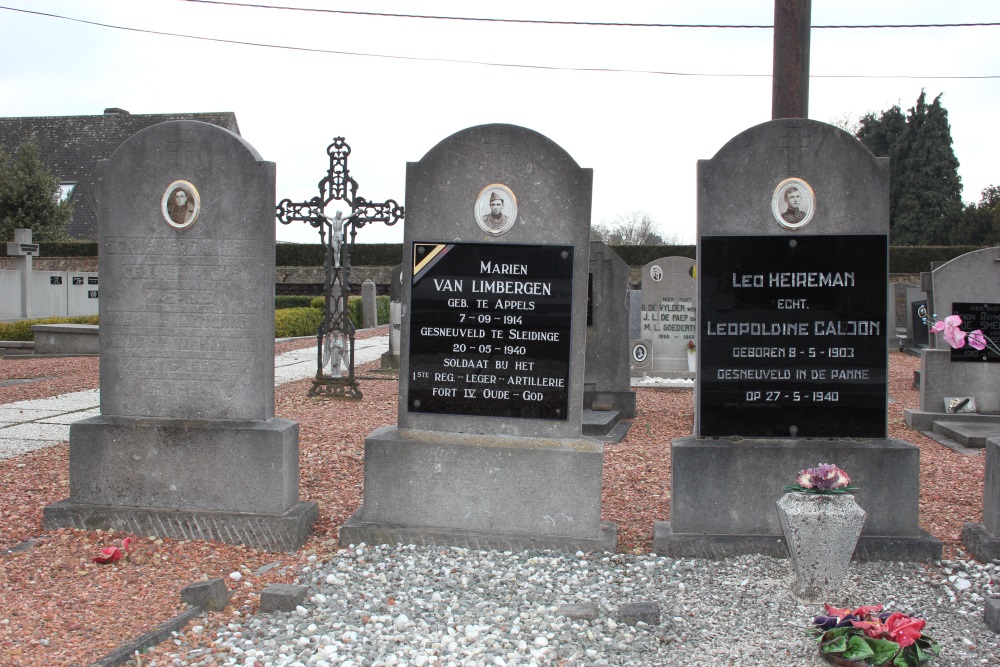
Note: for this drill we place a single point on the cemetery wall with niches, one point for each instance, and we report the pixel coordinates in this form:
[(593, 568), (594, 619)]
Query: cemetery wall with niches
[(299, 267)]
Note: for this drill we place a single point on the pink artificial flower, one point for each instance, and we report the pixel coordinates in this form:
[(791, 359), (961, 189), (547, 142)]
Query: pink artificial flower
[(804, 480), (977, 339), (952, 334), (108, 555), (902, 629)]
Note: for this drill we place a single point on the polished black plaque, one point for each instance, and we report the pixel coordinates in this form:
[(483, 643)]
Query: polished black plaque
[(982, 316), (490, 329), (792, 336)]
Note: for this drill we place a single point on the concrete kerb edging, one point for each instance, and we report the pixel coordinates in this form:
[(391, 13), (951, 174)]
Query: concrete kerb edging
[(154, 637), (212, 594)]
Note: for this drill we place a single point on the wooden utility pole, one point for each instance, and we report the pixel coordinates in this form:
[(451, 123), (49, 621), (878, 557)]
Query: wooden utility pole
[(790, 73)]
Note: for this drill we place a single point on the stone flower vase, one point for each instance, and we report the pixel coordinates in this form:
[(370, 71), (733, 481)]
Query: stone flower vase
[(821, 531), (692, 361)]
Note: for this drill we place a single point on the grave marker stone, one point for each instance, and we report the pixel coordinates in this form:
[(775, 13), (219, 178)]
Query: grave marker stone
[(187, 445), (969, 286), (668, 313), (606, 379), (792, 286), (390, 358), (369, 314), (488, 451)]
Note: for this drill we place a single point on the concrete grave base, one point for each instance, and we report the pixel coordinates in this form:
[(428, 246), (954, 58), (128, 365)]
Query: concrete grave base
[(620, 401), (70, 339), (983, 539), (355, 531), (924, 547), (188, 464), (464, 489), (724, 494), (282, 532), (981, 543)]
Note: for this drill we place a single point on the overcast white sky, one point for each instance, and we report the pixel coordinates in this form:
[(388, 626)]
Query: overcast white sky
[(642, 133)]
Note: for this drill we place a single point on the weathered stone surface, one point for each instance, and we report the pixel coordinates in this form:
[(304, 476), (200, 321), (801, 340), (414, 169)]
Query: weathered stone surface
[(583, 611), (281, 597), (211, 595), (991, 615), (632, 613), (820, 532)]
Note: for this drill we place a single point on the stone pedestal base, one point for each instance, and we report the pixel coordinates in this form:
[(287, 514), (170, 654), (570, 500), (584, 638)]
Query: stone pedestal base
[(190, 464), (282, 532), (924, 547), (227, 480), (723, 495), (980, 542), (428, 487)]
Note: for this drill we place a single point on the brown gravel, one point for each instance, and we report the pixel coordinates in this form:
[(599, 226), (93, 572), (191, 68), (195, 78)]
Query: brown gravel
[(62, 609)]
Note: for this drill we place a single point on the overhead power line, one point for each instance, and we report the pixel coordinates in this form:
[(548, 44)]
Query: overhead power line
[(458, 61), (578, 23)]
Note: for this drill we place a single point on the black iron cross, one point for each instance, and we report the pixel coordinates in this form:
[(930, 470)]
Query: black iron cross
[(334, 232)]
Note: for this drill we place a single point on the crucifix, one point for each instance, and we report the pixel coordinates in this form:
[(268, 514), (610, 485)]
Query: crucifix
[(790, 73), (335, 337)]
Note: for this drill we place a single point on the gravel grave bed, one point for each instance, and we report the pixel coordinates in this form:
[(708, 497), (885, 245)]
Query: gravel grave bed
[(373, 606)]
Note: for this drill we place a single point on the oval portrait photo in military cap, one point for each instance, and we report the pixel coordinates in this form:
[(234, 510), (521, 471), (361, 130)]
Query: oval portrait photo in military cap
[(180, 204), (496, 209), (793, 203)]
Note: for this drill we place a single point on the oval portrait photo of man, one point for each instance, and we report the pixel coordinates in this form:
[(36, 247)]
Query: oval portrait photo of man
[(496, 209), (180, 204), (793, 203)]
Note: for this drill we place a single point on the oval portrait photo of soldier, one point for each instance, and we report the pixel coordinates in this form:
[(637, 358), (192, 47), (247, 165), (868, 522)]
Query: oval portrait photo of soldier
[(793, 203), (180, 204), (496, 209)]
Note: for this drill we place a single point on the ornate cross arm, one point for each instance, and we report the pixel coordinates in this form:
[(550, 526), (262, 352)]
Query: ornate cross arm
[(288, 211), (365, 212)]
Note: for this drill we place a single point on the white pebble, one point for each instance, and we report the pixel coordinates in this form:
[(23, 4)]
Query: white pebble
[(235, 576), (541, 641)]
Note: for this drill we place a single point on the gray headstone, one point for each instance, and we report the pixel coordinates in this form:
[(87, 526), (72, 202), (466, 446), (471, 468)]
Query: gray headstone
[(669, 312), (635, 313), (488, 449), (369, 317), (187, 421), (607, 372), (390, 358), (793, 222), (983, 539), (282, 597), (898, 315)]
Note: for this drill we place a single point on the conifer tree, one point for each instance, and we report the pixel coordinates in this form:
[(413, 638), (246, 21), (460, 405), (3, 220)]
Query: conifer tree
[(29, 197)]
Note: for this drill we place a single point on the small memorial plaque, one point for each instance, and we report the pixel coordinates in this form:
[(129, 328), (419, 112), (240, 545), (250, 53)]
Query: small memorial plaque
[(91, 281), (92, 294), (793, 336), (490, 330), (55, 280), (982, 316), (77, 280)]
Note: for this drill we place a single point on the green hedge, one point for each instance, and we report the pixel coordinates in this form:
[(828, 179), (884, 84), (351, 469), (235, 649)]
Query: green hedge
[(354, 309), (21, 330), (64, 249), (293, 301), (292, 322), (363, 254)]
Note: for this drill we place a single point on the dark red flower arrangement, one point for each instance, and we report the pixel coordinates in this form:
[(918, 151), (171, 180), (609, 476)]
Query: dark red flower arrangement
[(870, 636)]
